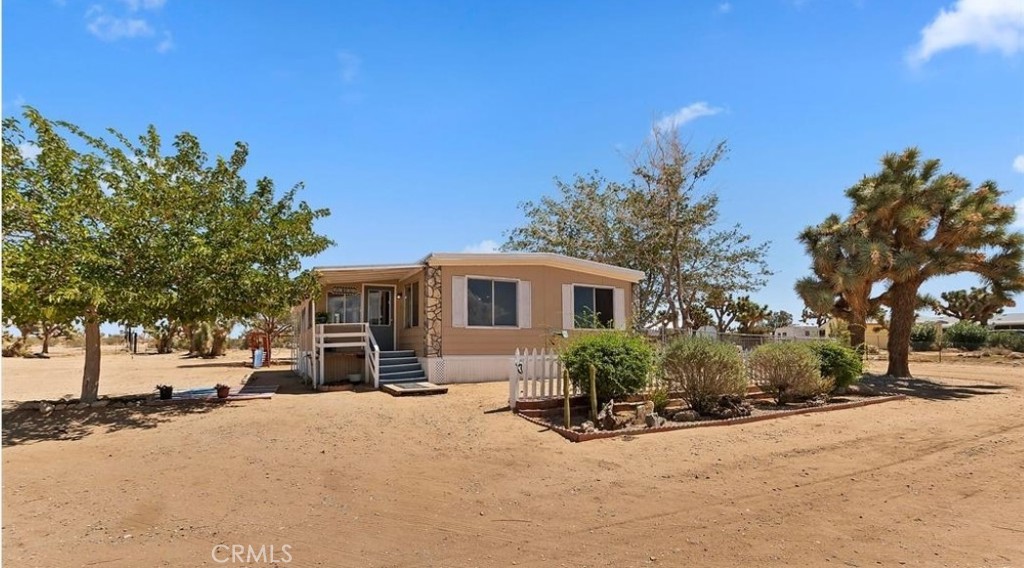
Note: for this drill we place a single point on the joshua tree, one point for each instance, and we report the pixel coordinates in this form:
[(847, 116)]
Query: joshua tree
[(915, 223), (977, 304), (846, 262)]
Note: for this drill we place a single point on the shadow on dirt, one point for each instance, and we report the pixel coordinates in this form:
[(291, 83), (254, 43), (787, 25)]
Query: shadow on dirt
[(929, 390), (21, 427)]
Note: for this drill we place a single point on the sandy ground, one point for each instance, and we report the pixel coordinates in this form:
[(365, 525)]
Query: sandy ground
[(364, 479)]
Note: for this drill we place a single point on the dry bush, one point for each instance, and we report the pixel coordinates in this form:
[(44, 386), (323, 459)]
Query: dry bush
[(704, 370), (788, 371)]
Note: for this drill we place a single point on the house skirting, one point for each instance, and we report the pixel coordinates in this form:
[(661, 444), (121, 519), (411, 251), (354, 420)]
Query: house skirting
[(466, 368)]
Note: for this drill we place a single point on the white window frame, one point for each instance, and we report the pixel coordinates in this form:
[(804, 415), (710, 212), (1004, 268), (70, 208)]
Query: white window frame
[(411, 305), (493, 279), (573, 306)]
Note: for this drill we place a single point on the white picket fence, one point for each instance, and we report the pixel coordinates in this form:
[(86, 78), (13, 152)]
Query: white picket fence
[(535, 374)]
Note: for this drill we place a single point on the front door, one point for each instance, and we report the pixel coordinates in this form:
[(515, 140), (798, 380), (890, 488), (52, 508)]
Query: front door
[(380, 314)]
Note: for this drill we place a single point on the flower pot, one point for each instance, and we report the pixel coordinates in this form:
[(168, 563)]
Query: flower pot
[(223, 392), (166, 393)]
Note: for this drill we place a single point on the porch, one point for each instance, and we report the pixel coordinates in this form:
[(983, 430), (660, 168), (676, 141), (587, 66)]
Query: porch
[(341, 352)]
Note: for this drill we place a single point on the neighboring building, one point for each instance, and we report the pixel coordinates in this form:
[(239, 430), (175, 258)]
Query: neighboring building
[(1008, 322), (452, 317), (800, 332)]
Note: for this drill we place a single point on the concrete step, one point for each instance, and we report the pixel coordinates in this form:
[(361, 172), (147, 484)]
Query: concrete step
[(398, 380), (399, 368), (394, 354), (417, 375), (394, 361)]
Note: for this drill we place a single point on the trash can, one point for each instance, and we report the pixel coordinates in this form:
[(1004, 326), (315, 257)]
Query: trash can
[(257, 358)]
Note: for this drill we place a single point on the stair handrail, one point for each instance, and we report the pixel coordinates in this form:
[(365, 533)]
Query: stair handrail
[(372, 357)]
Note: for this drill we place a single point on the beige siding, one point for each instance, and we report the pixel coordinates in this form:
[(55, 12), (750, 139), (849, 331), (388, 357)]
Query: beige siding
[(411, 337), (546, 283)]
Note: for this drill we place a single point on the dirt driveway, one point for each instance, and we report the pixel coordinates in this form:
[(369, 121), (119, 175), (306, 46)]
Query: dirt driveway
[(364, 479)]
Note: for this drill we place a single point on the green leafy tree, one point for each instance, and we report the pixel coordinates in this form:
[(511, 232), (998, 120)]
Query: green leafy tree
[(915, 224), (779, 319), (137, 236), (977, 304), (662, 222)]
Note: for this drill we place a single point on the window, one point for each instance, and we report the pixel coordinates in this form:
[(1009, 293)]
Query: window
[(343, 307), (412, 304), (491, 303), (593, 307)]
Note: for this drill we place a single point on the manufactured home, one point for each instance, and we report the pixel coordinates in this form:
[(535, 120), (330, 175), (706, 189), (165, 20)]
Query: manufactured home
[(452, 317)]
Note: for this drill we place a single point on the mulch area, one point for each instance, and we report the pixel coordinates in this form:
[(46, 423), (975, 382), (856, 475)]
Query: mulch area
[(761, 410)]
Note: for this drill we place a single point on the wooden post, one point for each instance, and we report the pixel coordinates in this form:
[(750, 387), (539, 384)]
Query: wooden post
[(593, 392), (565, 393)]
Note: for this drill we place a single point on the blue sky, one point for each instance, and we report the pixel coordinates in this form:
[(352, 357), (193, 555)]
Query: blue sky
[(422, 125)]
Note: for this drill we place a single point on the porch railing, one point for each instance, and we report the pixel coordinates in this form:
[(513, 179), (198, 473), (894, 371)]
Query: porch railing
[(331, 335), (372, 358)]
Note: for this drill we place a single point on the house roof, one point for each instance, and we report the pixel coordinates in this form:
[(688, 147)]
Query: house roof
[(532, 258), (343, 274), (1008, 319)]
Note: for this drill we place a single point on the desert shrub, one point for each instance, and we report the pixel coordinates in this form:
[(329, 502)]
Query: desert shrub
[(623, 362), (786, 370), (1007, 340), (839, 362), (704, 370), (966, 335), (922, 336), (659, 397)]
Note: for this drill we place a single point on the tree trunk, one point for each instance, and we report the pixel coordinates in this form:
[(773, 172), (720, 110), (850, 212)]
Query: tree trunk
[(903, 298), (46, 342), (91, 376), (857, 326)]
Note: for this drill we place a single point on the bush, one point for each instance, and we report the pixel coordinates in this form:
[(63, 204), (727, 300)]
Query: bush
[(786, 370), (704, 370), (1007, 340), (922, 337), (623, 362), (966, 335), (839, 362)]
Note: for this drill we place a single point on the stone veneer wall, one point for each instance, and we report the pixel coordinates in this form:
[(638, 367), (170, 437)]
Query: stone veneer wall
[(432, 312)]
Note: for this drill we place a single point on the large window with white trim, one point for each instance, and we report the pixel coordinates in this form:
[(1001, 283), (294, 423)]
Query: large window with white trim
[(344, 306), (593, 307), (491, 303)]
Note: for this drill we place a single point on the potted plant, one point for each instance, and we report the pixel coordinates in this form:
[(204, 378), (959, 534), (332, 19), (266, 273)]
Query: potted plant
[(321, 317), (165, 391), (223, 390)]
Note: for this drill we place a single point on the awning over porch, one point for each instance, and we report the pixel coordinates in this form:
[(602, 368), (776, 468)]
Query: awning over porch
[(367, 273)]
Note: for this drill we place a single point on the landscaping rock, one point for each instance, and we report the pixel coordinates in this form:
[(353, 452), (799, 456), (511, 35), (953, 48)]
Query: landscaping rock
[(59, 407), (100, 403), (606, 417), (45, 408), (82, 405), (654, 421), (1015, 355), (642, 412), (588, 427), (686, 416)]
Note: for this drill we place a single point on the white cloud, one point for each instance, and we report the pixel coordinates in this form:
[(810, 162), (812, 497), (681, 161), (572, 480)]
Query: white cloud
[(686, 114), (1020, 213), (165, 44), (985, 24), (486, 245), (350, 64), (29, 151), (1018, 163), (112, 28), (136, 5), (724, 8)]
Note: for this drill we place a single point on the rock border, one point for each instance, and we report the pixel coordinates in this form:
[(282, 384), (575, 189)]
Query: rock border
[(574, 436)]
